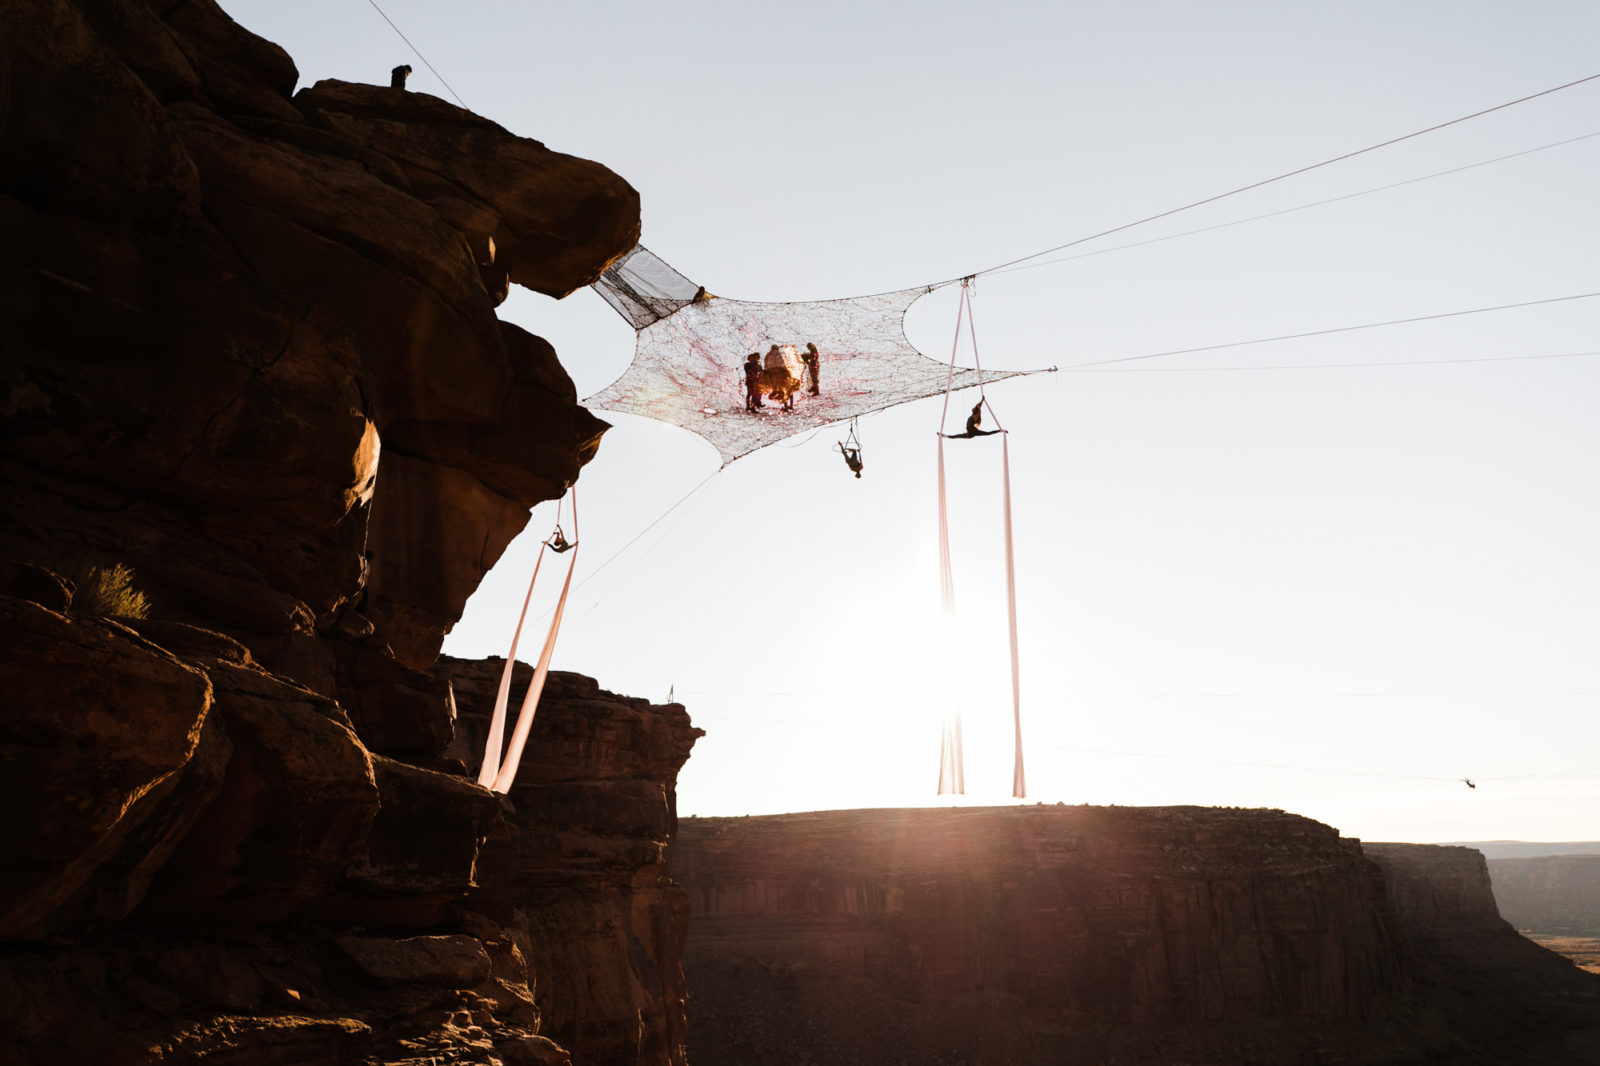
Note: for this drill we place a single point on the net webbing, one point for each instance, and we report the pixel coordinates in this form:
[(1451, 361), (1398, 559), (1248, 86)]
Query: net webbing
[(643, 289), (816, 363)]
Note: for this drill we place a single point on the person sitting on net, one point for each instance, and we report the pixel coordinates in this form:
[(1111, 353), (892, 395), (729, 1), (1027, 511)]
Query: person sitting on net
[(974, 420), (852, 458)]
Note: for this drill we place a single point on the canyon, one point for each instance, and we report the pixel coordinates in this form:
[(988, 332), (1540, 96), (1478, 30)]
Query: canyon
[(1556, 894), (1082, 934)]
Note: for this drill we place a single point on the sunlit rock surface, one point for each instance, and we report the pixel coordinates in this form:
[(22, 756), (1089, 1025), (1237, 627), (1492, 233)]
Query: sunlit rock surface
[(1065, 934)]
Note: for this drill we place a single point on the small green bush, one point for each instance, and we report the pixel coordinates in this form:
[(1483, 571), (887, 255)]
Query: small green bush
[(106, 589)]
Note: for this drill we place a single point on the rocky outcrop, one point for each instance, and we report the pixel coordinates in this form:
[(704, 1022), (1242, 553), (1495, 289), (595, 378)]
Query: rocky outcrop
[(1504, 996), (1557, 894), (248, 348), (595, 812), (249, 345), (1045, 934)]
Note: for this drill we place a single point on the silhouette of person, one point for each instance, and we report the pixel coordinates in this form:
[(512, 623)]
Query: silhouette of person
[(752, 382), (559, 542), (974, 420), (852, 458), (812, 358), (397, 76)]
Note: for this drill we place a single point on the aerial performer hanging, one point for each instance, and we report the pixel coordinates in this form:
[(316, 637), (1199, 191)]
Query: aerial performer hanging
[(500, 759)]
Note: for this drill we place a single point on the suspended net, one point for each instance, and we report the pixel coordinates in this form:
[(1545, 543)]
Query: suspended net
[(815, 363)]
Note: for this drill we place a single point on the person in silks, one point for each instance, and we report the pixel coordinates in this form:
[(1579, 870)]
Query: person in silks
[(850, 448), (501, 756), (952, 777), (974, 420)]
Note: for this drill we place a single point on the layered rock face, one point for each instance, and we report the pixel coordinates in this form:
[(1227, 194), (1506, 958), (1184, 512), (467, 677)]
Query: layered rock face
[(1055, 934), (1501, 993), (248, 343), (248, 348), (1557, 894), (595, 812)]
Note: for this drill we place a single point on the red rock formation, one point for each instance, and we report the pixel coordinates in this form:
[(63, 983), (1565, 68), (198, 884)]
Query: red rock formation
[(1501, 992), (595, 810), (248, 347), (224, 303), (1557, 894), (1044, 934)]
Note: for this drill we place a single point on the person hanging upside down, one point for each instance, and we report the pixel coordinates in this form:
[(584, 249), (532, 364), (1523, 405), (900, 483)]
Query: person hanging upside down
[(852, 458)]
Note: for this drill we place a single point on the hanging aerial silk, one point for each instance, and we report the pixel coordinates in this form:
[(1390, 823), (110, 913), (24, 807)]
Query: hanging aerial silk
[(497, 773), (951, 775)]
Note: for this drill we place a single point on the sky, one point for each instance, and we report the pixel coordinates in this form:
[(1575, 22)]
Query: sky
[(1267, 575)]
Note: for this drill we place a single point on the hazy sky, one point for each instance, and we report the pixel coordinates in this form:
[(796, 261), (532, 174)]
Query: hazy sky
[(1335, 590)]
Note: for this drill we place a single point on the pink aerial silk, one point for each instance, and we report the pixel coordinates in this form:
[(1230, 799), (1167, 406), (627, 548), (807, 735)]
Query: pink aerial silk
[(1019, 787), (951, 775), (497, 774)]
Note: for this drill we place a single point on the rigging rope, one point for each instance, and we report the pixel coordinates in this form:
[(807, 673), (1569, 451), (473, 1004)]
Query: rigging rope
[(1292, 210), (1335, 329), (1289, 174), (1089, 369), (420, 56)]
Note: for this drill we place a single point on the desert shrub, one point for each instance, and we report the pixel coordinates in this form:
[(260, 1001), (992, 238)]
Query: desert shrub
[(106, 589)]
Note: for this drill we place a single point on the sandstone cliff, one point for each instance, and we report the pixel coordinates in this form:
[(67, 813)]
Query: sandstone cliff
[(595, 812), (248, 347), (1067, 934), (1552, 894)]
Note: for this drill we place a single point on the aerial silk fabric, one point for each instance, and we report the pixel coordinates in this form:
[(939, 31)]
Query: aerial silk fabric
[(498, 774), (1019, 785), (952, 777)]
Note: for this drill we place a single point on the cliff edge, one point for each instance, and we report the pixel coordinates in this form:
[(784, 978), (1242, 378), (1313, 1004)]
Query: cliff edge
[(1067, 934)]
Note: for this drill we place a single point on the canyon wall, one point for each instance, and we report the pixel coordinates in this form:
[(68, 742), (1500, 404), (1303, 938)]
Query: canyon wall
[(1557, 894), (595, 812), (249, 350), (1049, 934)]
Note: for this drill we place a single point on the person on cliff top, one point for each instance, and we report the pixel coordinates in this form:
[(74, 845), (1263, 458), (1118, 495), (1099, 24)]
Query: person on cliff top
[(752, 382), (398, 76), (812, 359)]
